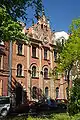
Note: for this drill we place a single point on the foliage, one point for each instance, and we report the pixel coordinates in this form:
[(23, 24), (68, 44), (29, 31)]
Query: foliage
[(10, 12), (59, 116), (9, 29), (18, 8), (74, 104), (69, 56), (71, 51)]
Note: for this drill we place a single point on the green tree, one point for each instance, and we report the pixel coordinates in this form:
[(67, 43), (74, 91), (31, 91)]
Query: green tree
[(74, 105), (70, 53), (10, 12)]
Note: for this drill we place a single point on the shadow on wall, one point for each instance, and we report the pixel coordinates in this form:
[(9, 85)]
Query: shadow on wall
[(18, 94)]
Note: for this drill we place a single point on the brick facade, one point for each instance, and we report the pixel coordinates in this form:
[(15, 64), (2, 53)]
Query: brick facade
[(4, 73), (41, 37)]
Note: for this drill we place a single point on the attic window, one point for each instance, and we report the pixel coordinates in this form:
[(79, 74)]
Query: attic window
[(41, 26)]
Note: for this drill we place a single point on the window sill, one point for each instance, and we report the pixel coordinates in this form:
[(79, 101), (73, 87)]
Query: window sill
[(35, 57), (46, 59), (20, 55), (46, 78), (20, 76), (35, 77)]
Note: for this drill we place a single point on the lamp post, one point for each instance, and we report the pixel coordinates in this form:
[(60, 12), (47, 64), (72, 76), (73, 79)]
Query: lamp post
[(30, 84), (10, 69)]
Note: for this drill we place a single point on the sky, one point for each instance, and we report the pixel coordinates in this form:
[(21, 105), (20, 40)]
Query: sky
[(61, 13)]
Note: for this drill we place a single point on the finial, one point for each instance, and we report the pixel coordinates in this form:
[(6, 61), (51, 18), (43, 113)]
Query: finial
[(43, 13)]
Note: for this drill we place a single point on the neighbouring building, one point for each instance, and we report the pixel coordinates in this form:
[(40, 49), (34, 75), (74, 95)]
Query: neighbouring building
[(4, 72)]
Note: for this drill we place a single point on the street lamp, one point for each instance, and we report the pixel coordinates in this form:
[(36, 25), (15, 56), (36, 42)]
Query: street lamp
[(10, 69)]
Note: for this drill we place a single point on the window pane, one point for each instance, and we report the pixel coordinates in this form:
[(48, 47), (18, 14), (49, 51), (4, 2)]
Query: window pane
[(57, 92), (46, 91), (45, 53), (34, 92), (55, 54), (19, 70), (20, 49), (4, 100), (33, 71), (33, 51), (45, 73)]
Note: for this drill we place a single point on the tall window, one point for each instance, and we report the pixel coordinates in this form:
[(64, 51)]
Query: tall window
[(0, 61), (45, 73), (19, 70), (45, 53), (55, 54), (20, 49), (57, 92), (34, 91), (67, 92), (46, 91), (33, 51), (33, 71)]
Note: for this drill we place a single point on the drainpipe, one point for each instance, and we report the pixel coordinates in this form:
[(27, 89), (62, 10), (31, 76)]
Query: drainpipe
[(10, 69)]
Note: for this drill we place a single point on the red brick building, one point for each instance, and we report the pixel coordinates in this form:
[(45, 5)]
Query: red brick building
[(32, 62), (4, 73)]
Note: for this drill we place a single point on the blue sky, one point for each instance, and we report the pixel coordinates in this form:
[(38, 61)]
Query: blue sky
[(61, 13)]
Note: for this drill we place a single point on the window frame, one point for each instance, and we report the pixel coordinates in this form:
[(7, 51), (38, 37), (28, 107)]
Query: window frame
[(33, 51), (45, 53), (34, 91), (45, 73), (20, 48), (57, 92), (55, 54), (46, 91), (19, 70), (34, 72)]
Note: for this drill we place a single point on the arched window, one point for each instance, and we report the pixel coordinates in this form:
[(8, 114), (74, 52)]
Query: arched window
[(34, 91), (34, 71), (19, 70), (46, 91), (57, 92), (45, 73)]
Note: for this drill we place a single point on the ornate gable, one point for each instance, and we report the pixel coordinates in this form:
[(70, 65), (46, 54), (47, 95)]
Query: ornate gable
[(41, 31)]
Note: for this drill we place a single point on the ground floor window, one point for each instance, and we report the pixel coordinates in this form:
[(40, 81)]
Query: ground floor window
[(34, 92), (46, 91), (57, 92)]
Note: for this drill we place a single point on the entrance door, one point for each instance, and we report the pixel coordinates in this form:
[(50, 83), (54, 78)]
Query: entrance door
[(18, 95)]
